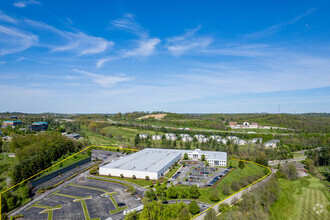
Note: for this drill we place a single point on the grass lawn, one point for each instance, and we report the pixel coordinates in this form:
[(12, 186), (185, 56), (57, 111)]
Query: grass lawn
[(173, 171), (140, 182), (235, 175), (297, 155), (65, 163), (97, 139), (301, 199)]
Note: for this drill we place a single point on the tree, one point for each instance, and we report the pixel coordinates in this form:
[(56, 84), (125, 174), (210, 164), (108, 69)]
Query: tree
[(184, 214), (147, 178), (132, 189), (185, 156), (133, 177), (225, 189), (203, 157), (241, 165), (172, 193), (184, 163), (223, 207), (121, 175), (214, 195), (151, 184), (132, 216), (183, 193), (194, 192), (210, 215), (150, 195), (194, 207), (235, 186)]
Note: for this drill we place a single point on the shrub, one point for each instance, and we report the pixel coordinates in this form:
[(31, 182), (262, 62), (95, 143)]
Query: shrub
[(214, 195), (194, 207), (147, 178), (241, 165), (134, 177), (223, 207), (121, 176)]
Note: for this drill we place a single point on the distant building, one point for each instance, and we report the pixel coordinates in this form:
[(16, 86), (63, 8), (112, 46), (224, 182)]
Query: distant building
[(143, 136), (156, 137), (73, 136), (38, 126), (13, 117), (187, 139), (171, 136), (234, 125), (272, 143), (11, 123), (256, 140)]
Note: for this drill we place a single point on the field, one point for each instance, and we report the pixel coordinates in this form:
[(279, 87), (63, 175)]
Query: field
[(301, 199), (140, 182)]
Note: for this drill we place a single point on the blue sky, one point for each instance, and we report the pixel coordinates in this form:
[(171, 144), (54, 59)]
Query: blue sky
[(177, 56)]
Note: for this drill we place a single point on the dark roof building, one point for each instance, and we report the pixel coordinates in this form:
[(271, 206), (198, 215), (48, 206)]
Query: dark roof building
[(38, 126)]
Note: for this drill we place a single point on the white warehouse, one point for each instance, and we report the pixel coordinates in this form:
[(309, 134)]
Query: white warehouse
[(154, 162)]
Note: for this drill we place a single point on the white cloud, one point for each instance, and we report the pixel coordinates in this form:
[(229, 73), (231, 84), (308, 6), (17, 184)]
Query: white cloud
[(181, 44), (6, 18), (78, 42), (127, 22), (278, 27), (23, 4), (104, 81), (13, 40), (145, 45)]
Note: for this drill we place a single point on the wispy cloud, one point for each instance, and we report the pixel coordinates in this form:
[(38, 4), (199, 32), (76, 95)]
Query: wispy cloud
[(243, 50), (104, 81), (128, 23), (23, 4), (78, 41), (13, 40), (6, 18), (145, 45), (181, 44), (278, 27)]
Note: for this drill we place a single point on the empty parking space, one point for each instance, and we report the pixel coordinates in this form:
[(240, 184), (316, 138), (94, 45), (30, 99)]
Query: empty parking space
[(83, 199)]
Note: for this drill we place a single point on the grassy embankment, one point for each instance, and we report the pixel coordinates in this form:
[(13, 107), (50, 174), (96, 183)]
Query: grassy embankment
[(306, 198)]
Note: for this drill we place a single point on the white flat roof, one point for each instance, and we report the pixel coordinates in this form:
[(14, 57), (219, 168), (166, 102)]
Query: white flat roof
[(148, 160), (154, 159)]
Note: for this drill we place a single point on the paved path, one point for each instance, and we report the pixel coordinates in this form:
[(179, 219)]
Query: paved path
[(238, 195), (276, 162)]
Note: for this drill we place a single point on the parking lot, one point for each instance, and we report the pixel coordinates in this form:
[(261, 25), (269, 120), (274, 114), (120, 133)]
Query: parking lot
[(198, 174), (83, 199)]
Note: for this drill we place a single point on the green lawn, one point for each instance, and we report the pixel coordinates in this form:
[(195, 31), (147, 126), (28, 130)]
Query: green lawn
[(173, 171), (140, 182), (235, 175), (96, 139), (297, 155), (301, 199), (65, 163)]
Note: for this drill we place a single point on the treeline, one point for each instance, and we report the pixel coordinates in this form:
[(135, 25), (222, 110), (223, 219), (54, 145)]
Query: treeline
[(156, 210), (36, 152), (254, 205)]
